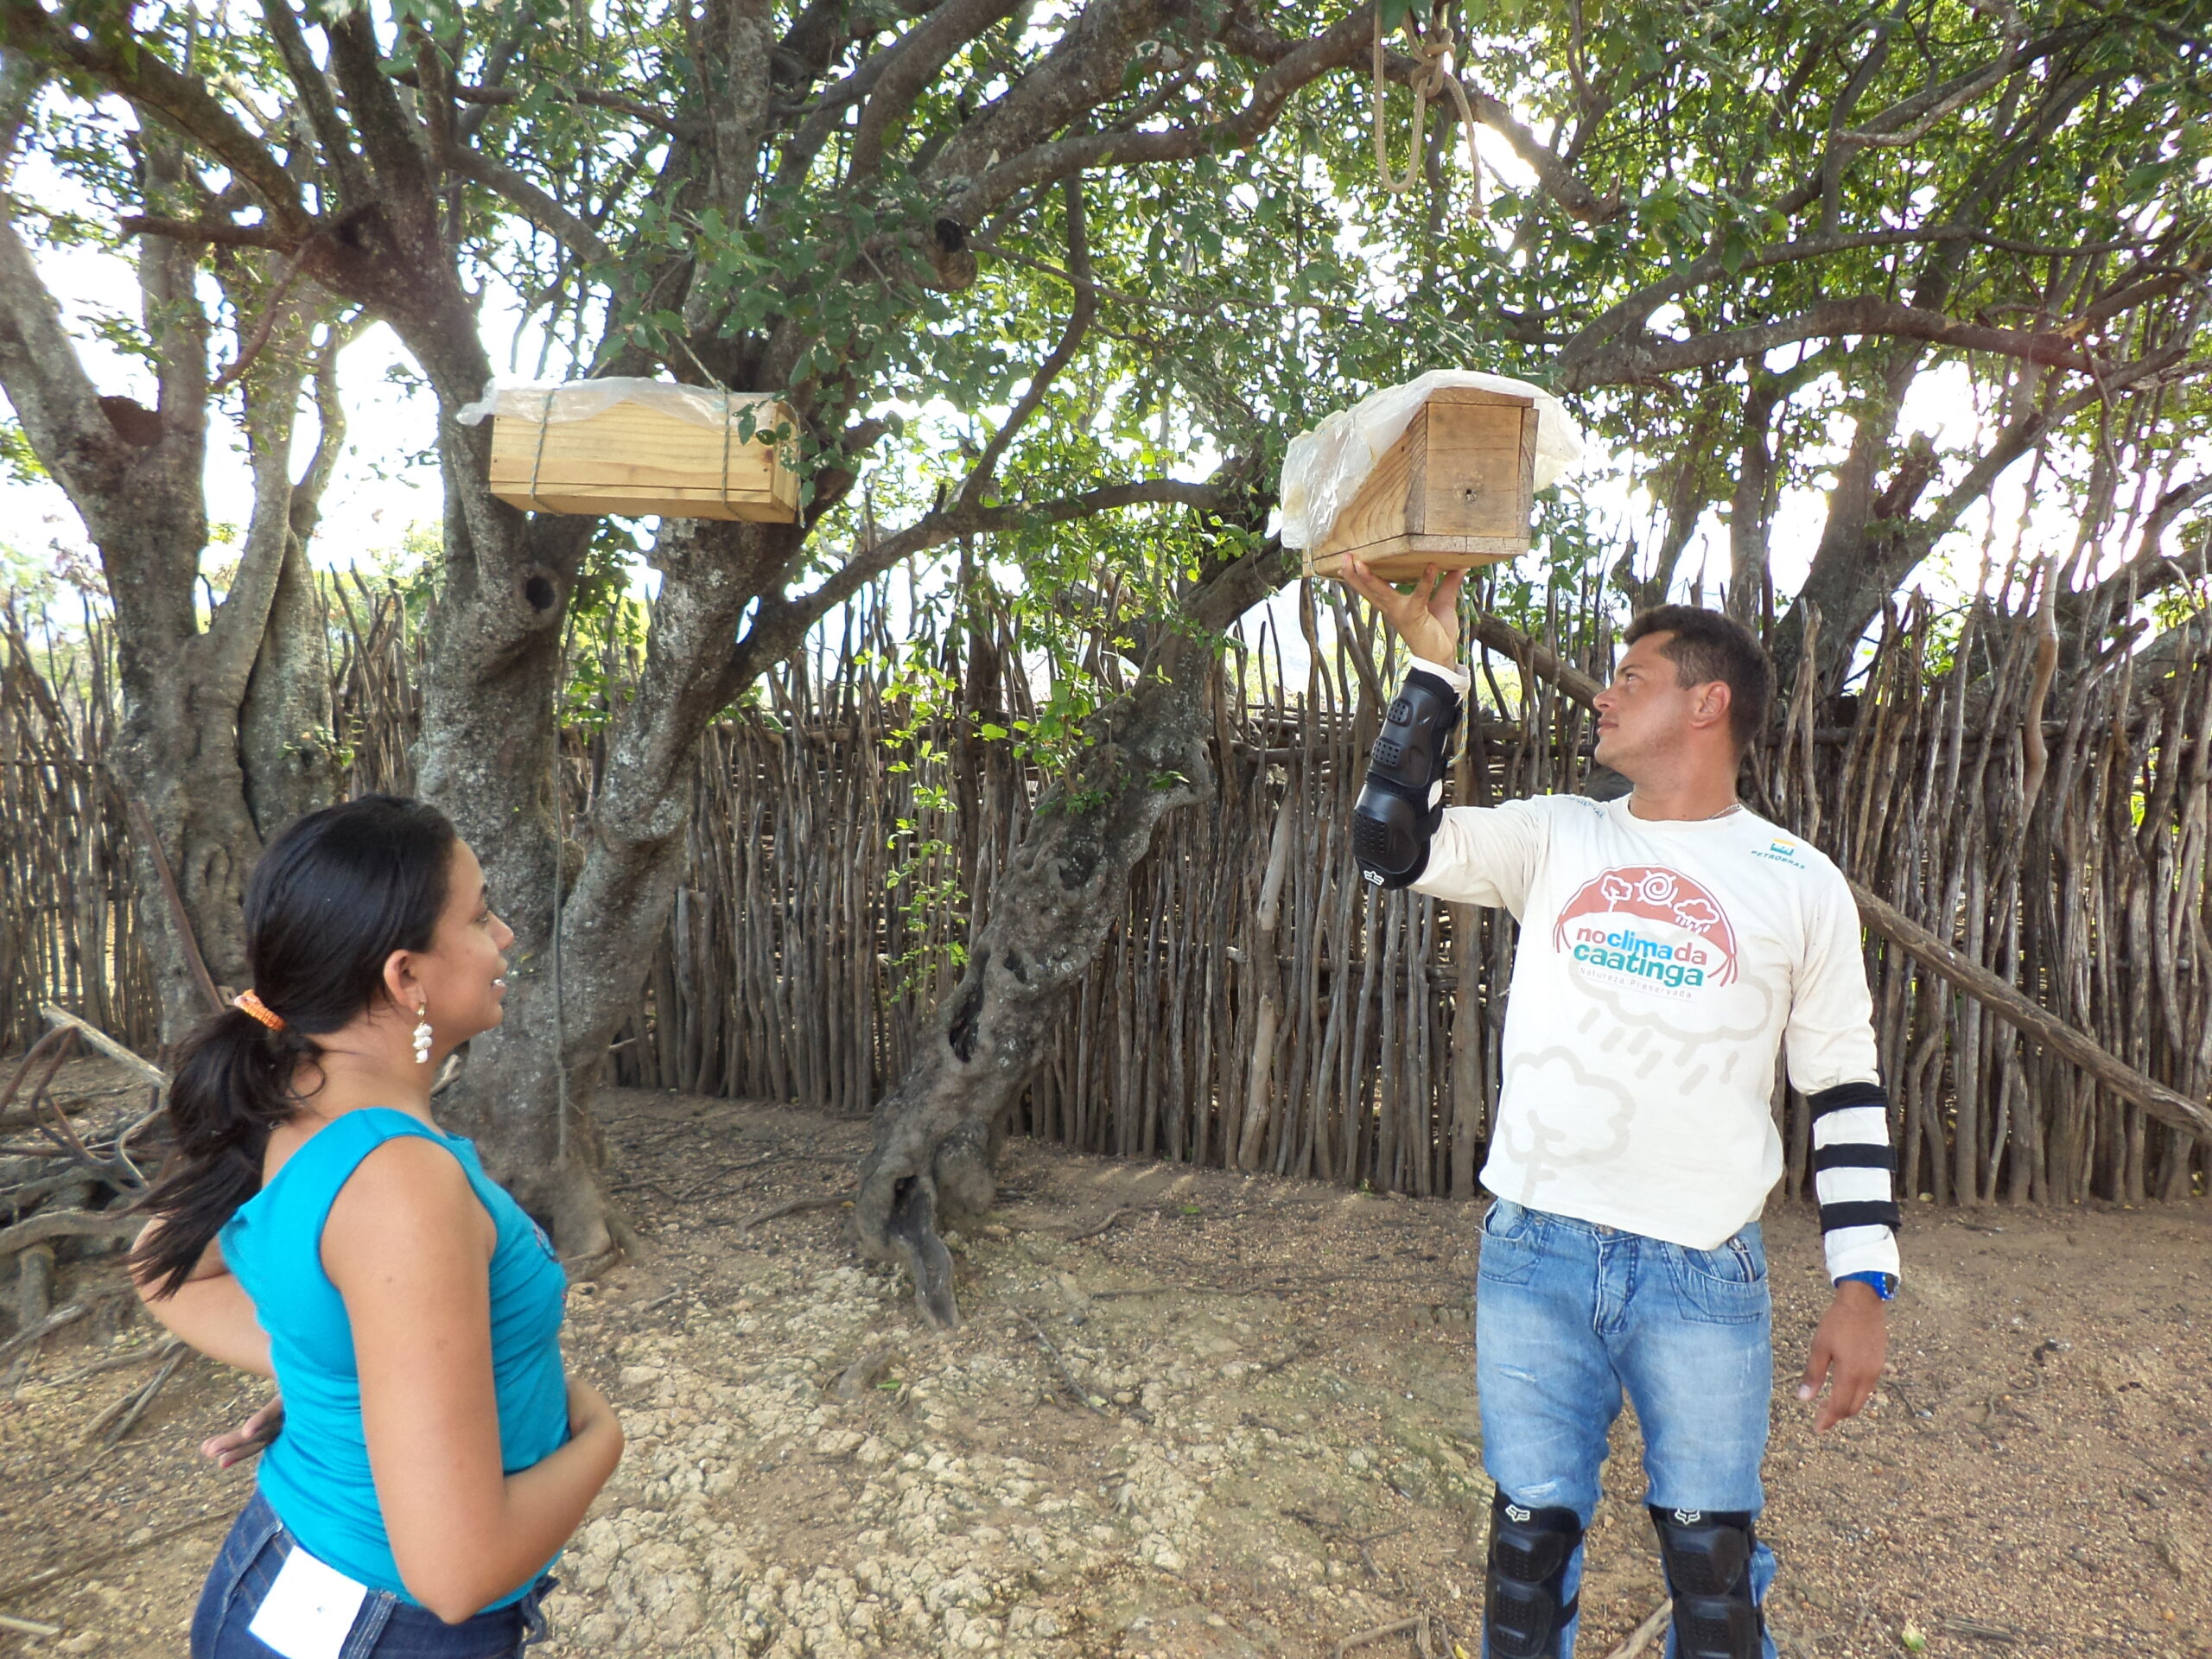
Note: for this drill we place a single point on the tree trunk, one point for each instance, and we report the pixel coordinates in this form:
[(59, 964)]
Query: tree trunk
[(527, 1094), (1750, 515), (486, 757), (586, 913), (1060, 895), (289, 752), (285, 735), (135, 476)]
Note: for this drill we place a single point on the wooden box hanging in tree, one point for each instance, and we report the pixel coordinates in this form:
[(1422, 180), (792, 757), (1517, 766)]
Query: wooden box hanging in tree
[(1431, 473), (642, 449)]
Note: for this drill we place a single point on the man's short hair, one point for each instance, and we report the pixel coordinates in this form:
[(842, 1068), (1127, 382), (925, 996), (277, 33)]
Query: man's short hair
[(1708, 647)]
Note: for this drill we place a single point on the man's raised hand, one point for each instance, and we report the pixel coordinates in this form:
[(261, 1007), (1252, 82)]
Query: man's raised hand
[(1427, 619)]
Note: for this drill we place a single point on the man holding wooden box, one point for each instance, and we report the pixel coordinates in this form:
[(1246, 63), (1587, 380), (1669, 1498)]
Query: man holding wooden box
[(1671, 943)]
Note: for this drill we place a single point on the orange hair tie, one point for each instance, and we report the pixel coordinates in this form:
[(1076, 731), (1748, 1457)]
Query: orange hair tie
[(248, 1003)]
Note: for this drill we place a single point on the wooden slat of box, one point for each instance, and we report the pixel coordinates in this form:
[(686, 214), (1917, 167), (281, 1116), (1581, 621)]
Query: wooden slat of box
[(636, 461), (1457, 489)]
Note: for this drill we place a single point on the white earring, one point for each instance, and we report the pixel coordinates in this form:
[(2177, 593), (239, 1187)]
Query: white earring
[(422, 1036)]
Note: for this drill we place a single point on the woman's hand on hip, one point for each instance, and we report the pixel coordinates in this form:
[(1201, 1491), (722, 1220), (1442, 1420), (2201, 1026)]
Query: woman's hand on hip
[(237, 1445)]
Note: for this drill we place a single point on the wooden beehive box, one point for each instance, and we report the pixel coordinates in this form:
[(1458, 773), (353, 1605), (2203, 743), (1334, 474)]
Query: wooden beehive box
[(638, 461), (1457, 489)]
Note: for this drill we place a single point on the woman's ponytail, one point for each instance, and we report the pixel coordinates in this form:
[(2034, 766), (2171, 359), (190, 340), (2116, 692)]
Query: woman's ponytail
[(231, 1088), (331, 899)]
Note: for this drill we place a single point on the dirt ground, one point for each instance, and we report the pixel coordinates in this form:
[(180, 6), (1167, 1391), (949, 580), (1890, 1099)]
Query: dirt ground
[(1197, 1414)]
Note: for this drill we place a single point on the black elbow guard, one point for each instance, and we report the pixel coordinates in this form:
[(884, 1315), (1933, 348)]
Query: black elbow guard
[(1401, 804)]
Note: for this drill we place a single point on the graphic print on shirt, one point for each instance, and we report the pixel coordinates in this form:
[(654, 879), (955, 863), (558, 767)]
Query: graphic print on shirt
[(1591, 1116), (1645, 927)]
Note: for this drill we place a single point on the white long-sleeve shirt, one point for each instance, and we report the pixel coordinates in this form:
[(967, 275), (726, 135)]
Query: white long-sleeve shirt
[(1662, 966)]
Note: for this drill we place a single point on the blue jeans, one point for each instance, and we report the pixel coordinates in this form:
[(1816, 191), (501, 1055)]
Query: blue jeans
[(1568, 1314), (386, 1627)]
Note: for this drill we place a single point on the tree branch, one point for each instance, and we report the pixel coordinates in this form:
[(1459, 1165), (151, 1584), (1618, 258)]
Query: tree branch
[(539, 209), (175, 320), (1560, 181), (22, 78), (778, 627), (811, 44), (2151, 568), (390, 138), (54, 397), (330, 428), (2032, 1020), (218, 231), (827, 115), (143, 77), (234, 634), (314, 88), (498, 98), (1645, 358), (251, 347), (1711, 267), (515, 25), (1554, 171), (904, 69), (1241, 584), (1033, 396), (1921, 112), (1071, 81)]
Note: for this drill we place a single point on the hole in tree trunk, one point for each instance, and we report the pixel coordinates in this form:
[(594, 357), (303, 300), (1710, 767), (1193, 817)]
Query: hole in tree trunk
[(967, 1014), (133, 422), (912, 1227)]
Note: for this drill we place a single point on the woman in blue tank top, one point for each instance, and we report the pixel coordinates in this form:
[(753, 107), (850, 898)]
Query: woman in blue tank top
[(314, 1223)]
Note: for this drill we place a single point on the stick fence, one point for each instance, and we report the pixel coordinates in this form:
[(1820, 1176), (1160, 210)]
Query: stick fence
[(1257, 1006)]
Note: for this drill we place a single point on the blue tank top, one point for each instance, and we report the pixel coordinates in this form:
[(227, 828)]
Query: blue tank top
[(316, 1476)]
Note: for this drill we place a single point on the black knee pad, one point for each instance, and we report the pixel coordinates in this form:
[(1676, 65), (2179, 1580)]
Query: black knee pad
[(1399, 808), (1523, 1609), (1708, 1559)]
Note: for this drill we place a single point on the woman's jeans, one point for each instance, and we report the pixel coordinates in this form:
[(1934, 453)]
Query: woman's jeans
[(1568, 1314), (386, 1627)]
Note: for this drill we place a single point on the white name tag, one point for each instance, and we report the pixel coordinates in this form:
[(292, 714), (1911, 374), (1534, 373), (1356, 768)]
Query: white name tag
[(309, 1610)]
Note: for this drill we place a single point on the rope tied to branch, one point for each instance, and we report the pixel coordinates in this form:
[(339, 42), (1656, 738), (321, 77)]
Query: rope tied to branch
[(1430, 80), (537, 458), (725, 425)]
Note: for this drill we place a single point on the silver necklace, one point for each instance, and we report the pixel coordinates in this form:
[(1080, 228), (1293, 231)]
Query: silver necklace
[(1732, 806)]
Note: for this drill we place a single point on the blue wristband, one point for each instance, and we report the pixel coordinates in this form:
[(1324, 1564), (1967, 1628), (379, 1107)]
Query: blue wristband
[(1885, 1285)]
